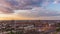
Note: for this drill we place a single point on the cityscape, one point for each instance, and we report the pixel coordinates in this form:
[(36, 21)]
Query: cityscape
[(29, 16), (29, 26)]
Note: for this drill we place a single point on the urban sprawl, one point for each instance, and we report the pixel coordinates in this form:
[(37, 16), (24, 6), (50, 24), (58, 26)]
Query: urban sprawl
[(29, 26)]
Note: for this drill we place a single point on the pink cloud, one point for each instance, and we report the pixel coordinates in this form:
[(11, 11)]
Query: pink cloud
[(10, 5)]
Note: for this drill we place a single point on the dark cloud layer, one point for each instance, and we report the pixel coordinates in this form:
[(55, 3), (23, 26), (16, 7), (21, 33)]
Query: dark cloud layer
[(18, 4), (24, 4)]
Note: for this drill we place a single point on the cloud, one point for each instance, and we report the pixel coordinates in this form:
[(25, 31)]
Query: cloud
[(24, 4), (37, 12), (10, 5), (29, 8), (57, 2), (5, 7), (18, 5)]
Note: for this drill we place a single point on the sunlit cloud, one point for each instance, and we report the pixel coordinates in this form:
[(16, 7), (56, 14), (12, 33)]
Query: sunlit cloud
[(37, 12)]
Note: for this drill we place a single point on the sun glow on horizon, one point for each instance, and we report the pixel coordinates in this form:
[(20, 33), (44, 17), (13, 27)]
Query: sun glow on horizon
[(13, 17)]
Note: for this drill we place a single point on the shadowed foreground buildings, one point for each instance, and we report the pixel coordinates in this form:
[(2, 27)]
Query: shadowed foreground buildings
[(29, 26)]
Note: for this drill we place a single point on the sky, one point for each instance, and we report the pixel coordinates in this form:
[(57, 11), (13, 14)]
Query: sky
[(29, 9)]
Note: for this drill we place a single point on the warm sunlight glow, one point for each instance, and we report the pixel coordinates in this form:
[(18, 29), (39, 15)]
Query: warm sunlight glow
[(13, 17)]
